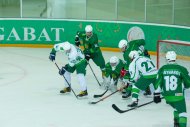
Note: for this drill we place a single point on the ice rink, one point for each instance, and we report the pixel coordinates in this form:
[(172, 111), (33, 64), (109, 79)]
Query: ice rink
[(29, 96)]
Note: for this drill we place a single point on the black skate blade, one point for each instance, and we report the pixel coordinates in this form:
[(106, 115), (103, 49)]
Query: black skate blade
[(126, 98)]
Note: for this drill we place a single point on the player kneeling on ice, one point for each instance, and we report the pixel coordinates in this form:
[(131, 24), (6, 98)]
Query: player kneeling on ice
[(77, 62), (171, 80), (112, 73), (142, 72)]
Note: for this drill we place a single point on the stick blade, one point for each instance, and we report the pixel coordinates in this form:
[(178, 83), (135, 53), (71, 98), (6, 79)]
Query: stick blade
[(117, 109), (100, 95), (97, 96)]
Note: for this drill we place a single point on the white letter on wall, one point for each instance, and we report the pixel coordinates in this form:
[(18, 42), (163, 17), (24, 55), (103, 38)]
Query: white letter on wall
[(45, 35), (13, 34), (29, 31), (57, 33), (2, 35)]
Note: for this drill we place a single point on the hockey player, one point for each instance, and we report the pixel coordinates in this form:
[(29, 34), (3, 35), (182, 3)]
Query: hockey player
[(76, 62), (171, 81), (89, 40), (112, 73), (136, 41), (126, 48), (142, 72)]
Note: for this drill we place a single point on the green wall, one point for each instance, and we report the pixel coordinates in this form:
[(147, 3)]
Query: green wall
[(36, 31)]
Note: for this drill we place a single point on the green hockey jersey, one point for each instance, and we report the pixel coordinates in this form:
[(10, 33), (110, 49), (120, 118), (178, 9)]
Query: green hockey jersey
[(90, 44), (114, 72), (133, 45), (172, 79)]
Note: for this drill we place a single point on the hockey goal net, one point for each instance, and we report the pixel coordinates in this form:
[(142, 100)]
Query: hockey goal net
[(182, 49)]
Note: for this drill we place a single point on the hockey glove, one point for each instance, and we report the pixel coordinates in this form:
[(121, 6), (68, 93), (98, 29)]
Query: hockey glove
[(77, 41), (62, 71), (123, 72), (52, 56), (157, 98), (87, 57)]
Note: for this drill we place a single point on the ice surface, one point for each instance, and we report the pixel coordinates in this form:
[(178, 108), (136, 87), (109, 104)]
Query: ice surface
[(29, 96)]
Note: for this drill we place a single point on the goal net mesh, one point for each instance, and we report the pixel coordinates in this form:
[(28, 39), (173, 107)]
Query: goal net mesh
[(182, 49)]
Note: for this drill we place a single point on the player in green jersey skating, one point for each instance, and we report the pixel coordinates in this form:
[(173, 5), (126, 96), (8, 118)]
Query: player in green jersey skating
[(89, 40), (172, 79)]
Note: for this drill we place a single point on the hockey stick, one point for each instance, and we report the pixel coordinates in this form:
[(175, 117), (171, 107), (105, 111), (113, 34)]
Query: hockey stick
[(94, 74), (104, 97), (100, 95), (66, 81), (107, 96), (123, 111)]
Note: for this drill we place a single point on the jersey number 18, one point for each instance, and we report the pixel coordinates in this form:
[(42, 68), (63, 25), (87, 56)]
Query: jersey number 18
[(170, 82)]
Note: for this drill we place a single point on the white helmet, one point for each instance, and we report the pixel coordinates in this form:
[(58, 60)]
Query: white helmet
[(122, 43), (114, 60), (66, 46), (135, 33), (88, 28), (133, 54), (171, 56)]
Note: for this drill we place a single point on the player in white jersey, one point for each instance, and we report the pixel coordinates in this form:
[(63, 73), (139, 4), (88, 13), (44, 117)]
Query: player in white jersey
[(142, 72), (77, 62)]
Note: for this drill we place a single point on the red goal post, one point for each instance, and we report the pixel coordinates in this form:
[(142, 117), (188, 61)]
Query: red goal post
[(182, 49)]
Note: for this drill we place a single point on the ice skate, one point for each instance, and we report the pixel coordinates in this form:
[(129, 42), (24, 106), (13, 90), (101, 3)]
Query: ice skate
[(147, 92), (126, 95), (133, 104), (66, 90), (83, 94)]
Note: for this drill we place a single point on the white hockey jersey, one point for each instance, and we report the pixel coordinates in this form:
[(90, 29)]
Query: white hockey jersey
[(141, 66), (75, 56)]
